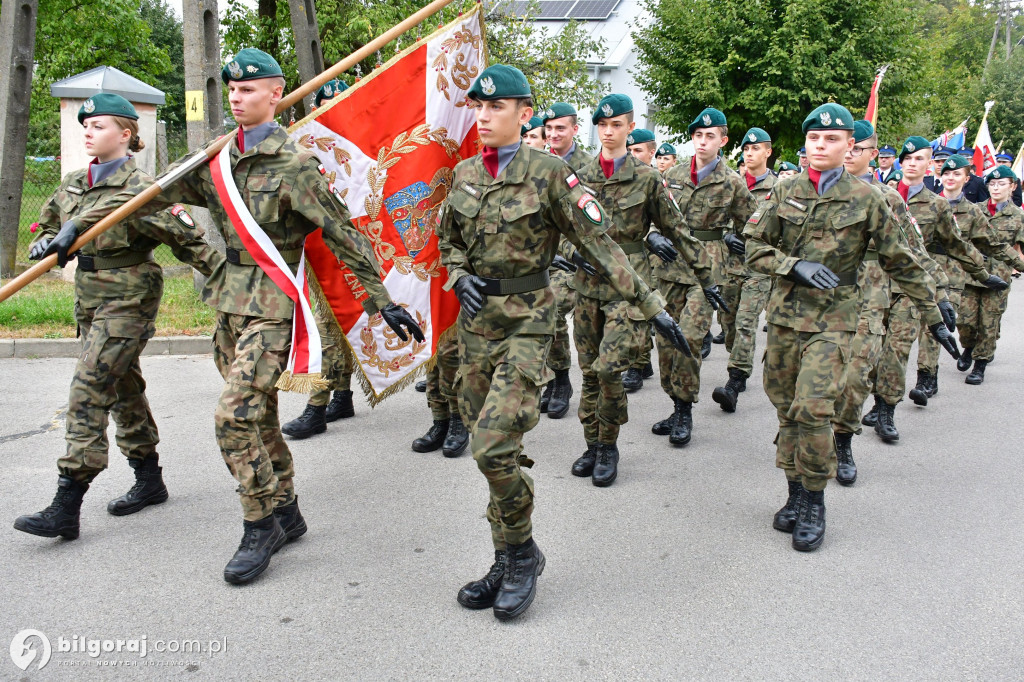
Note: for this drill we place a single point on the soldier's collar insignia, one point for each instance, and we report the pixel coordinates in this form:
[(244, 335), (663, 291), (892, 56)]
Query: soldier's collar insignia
[(910, 146), (826, 118), (752, 137), (252, 68), (707, 120), (235, 70), (89, 106), (607, 110), (487, 85)]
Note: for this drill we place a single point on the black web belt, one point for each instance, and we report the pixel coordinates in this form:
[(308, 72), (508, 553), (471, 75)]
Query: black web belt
[(239, 257), (515, 285), (94, 263)]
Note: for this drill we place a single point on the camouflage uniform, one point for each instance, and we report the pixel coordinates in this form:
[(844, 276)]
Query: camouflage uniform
[(721, 203), (610, 333), (809, 330), (338, 364), (508, 228), (115, 306), (746, 293), (982, 309), (442, 380)]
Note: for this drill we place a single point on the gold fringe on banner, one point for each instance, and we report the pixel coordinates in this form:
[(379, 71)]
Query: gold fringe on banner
[(302, 383)]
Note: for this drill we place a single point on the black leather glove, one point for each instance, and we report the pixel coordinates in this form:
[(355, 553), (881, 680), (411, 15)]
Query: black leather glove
[(948, 315), (944, 338), (995, 283), (668, 328), (661, 246), (397, 317), (467, 290), (63, 241), (735, 244), (563, 264), (811, 274), (580, 261), (714, 296), (38, 249)]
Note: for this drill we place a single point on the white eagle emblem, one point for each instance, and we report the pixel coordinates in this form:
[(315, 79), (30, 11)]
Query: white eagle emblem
[(910, 146), (607, 110), (629, 140), (527, 126), (550, 113), (707, 119), (252, 68), (89, 106), (328, 90), (235, 70), (487, 85), (753, 137), (826, 118)]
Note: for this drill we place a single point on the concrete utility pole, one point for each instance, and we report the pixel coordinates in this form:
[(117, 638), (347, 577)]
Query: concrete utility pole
[(17, 49), (204, 110), (308, 51), (1009, 25)]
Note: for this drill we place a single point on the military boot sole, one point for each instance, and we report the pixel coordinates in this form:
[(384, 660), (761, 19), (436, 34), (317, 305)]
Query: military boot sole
[(300, 434), (888, 438), (158, 497), (974, 380), (663, 428), (66, 532), (518, 611), (721, 396), (962, 365)]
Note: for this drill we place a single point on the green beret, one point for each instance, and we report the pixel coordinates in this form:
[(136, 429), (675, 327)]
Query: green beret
[(329, 90), (873, 164), (639, 136), (755, 135), (250, 64), (534, 122), (954, 162), (830, 116), (558, 110), (862, 130), (665, 150), (612, 105), (500, 82), (787, 166), (106, 104), (896, 175), (914, 143), (1000, 172), (709, 118)]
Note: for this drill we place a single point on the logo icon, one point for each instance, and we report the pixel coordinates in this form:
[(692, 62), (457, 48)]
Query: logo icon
[(527, 126), (550, 113), (839, 121), (910, 147), (607, 110), (89, 106), (23, 653), (328, 90), (826, 118), (629, 140), (487, 85), (252, 68), (753, 137), (707, 119), (235, 70)]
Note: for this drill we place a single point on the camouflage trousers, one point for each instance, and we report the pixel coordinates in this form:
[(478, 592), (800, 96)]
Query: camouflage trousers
[(644, 358), (981, 313), (607, 343), (804, 374), (338, 365), (560, 357), (108, 379), (747, 301), (442, 378), (865, 351), (251, 353), (903, 329), (501, 380), (927, 347), (680, 375)]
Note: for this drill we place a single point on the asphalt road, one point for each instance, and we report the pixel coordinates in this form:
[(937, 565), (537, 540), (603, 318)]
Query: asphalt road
[(674, 572)]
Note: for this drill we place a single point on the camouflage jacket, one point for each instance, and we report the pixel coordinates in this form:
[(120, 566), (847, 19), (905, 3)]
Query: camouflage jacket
[(722, 203), (1005, 231), (762, 189), (941, 234), (637, 203), (286, 193), (795, 224), (915, 240), (510, 227), (137, 234), (579, 158), (973, 224)]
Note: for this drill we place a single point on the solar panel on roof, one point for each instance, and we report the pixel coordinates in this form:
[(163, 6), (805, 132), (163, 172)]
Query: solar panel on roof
[(593, 9), (555, 9)]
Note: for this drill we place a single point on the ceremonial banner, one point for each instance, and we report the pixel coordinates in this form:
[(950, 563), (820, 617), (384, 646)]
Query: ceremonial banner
[(984, 150), (1018, 164), (388, 146), (871, 114)]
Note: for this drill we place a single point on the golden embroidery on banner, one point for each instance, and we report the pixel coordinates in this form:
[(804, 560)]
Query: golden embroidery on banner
[(370, 348), (461, 74), (341, 157)]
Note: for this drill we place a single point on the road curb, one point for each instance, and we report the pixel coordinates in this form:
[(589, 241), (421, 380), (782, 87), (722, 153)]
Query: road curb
[(72, 348)]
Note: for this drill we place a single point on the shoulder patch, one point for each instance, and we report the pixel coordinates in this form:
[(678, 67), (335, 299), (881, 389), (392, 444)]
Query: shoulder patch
[(754, 217), (588, 204), (339, 196), (179, 212), (572, 181)]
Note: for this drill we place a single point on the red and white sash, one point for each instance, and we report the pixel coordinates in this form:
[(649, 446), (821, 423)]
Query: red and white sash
[(303, 373)]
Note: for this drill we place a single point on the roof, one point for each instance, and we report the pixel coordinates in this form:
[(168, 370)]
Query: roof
[(107, 79)]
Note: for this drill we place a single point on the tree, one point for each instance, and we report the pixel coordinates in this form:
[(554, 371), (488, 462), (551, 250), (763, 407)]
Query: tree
[(1004, 84), (166, 33), (768, 63)]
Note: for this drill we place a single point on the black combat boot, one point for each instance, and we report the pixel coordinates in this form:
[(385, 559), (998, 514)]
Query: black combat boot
[(810, 522), (705, 346), (664, 427), (886, 426), (259, 542), (311, 422), (290, 519), (647, 371), (933, 388), (846, 472), (480, 594), (966, 358), (632, 380), (61, 517), (340, 407), (606, 467), (560, 394), (432, 439), (726, 396), (785, 518), (421, 386), (523, 564), (682, 427), (719, 337), (456, 439), (149, 488), (545, 397), (977, 374), (584, 464), (919, 394), (870, 418)]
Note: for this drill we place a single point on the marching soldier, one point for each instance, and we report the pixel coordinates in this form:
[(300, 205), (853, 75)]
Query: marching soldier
[(812, 234), (975, 190), (788, 170), (1004, 159), (665, 157), (117, 293), (533, 133), (642, 145), (448, 433), (499, 231), (931, 180)]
